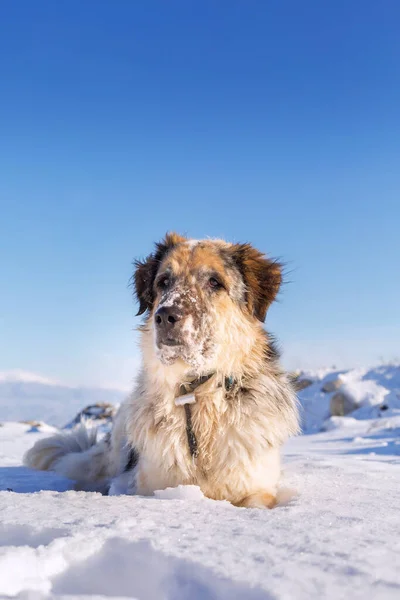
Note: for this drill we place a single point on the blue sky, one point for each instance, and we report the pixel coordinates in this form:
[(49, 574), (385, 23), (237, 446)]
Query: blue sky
[(272, 122)]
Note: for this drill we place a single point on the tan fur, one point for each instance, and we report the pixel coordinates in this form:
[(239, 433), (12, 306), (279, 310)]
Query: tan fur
[(239, 432), (259, 500)]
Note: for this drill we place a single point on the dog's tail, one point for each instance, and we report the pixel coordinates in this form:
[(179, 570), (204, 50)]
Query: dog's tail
[(76, 455)]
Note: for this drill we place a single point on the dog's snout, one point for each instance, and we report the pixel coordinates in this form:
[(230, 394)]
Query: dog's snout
[(166, 317)]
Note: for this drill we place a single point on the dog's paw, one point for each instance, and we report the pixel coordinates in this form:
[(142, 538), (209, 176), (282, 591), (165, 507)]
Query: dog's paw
[(259, 500)]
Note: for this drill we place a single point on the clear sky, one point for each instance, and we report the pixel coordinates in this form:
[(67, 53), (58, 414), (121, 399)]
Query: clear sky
[(275, 122)]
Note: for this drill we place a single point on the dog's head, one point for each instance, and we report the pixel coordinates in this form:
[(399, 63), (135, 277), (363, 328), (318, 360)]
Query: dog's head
[(197, 292)]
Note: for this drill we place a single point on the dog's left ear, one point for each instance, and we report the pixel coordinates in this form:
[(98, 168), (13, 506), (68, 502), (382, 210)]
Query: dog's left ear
[(146, 271), (262, 277)]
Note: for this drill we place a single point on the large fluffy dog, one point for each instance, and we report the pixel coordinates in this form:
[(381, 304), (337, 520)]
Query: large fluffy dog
[(212, 406)]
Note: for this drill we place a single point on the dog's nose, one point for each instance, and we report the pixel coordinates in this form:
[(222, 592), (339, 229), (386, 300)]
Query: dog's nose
[(166, 317)]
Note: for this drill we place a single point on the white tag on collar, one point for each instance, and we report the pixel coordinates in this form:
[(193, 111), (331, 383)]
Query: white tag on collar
[(186, 399)]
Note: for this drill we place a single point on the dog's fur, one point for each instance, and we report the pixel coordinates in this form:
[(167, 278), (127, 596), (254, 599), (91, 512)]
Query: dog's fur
[(220, 293)]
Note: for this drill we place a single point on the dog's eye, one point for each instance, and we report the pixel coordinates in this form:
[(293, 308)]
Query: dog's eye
[(214, 283), (163, 282)]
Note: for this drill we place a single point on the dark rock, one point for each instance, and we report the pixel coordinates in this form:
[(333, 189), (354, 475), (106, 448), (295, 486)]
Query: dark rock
[(332, 385), (341, 404), (100, 413)]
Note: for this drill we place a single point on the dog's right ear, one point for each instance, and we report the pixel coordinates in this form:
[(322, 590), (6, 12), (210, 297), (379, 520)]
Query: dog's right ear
[(146, 271)]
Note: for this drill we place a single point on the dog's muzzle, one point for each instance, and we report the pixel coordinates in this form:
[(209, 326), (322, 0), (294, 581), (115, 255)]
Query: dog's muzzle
[(168, 323)]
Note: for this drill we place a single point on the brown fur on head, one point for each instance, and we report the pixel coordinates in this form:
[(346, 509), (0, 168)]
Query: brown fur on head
[(201, 295), (262, 277)]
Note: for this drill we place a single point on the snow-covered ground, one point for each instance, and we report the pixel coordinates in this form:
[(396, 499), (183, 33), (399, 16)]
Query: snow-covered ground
[(335, 535)]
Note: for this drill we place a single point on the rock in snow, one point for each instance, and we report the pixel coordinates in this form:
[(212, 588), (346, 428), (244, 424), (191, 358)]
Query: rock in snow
[(100, 414), (341, 404), (332, 384)]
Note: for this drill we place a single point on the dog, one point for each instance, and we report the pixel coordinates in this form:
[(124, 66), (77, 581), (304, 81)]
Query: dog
[(212, 406)]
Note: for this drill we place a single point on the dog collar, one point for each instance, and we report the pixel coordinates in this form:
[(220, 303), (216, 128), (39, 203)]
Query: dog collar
[(186, 390), (186, 397)]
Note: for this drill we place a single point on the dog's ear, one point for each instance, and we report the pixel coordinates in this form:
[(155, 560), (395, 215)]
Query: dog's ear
[(262, 278), (146, 271)]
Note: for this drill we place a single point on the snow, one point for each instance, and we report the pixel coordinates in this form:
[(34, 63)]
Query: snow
[(334, 535), (181, 492)]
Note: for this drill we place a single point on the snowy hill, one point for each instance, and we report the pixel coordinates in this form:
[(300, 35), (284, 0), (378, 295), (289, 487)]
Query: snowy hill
[(334, 535), (27, 396), (360, 393)]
